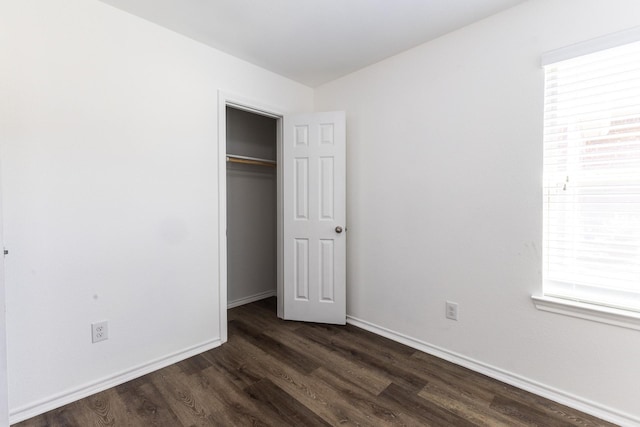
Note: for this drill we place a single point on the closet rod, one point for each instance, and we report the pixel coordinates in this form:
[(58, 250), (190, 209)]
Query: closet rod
[(250, 160)]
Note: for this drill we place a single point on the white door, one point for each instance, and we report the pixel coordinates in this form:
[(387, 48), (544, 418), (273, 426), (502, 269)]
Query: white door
[(314, 223)]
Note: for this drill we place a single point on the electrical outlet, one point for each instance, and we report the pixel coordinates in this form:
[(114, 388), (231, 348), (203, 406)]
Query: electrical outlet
[(99, 331), (451, 310)]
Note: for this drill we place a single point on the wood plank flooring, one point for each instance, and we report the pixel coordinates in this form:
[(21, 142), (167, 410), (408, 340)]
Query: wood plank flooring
[(277, 373)]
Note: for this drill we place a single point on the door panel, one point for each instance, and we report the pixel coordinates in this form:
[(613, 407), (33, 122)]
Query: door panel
[(327, 279), (314, 208), (301, 186), (301, 266)]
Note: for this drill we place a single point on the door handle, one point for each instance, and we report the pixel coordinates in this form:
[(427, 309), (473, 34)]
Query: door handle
[(338, 229)]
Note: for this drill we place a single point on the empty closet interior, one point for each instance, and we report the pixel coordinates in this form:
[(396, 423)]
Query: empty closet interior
[(251, 206)]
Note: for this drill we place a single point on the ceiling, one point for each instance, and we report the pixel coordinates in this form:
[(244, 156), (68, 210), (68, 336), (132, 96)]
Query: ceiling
[(313, 41)]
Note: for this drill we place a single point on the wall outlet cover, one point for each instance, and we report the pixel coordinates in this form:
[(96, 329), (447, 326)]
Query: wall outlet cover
[(99, 331)]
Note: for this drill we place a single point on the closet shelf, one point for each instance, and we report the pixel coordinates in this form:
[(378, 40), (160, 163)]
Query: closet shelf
[(232, 158)]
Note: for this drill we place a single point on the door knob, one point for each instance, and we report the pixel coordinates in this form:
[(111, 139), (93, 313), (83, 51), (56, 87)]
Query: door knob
[(338, 229)]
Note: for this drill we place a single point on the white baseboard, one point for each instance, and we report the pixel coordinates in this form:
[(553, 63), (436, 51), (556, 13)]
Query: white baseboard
[(56, 401), (545, 391), (251, 298)]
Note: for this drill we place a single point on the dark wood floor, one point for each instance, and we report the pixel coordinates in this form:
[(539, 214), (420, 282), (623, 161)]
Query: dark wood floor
[(278, 373)]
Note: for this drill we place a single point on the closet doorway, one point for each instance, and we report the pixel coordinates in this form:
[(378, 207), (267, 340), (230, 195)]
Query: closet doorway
[(301, 201), (252, 191)]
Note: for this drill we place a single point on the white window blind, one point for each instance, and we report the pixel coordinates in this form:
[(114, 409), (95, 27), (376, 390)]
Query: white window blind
[(592, 178)]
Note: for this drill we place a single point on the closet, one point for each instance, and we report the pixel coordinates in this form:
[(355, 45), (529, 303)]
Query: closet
[(251, 206)]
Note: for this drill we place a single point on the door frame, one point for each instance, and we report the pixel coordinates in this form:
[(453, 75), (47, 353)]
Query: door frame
[(226, 99), (4, 370)]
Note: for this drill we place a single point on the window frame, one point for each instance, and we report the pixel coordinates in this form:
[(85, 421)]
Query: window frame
[(567, 305)]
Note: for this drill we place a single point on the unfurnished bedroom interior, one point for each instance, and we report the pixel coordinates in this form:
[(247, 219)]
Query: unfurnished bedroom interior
[(318, 213)]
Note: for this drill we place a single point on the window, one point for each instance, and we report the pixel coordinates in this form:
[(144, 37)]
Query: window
[(591, 243)]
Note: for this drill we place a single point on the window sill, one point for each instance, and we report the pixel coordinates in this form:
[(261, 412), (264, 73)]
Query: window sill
[(595, 313)]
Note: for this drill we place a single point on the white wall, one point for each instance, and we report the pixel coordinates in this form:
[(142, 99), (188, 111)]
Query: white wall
[(110, 170), (444, 202)]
